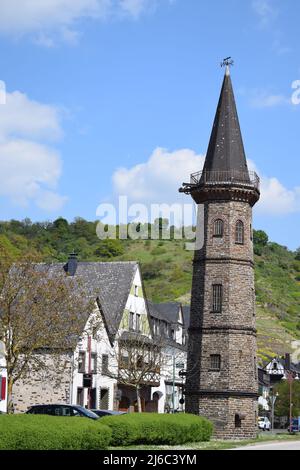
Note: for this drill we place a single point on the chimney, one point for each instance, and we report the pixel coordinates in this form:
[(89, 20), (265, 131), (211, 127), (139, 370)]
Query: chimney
[(71, 266), (287, 362)]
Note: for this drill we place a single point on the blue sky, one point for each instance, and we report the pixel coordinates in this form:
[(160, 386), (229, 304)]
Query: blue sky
[(108, 97)]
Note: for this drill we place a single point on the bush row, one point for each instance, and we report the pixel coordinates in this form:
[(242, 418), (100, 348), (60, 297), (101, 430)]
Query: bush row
[(149, 428), (25, 432), (32, 432)]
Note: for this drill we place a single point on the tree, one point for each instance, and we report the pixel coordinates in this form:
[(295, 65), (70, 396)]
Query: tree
[(260, 238), (38, 311), (282, 406), (135, 361), (297, 257)]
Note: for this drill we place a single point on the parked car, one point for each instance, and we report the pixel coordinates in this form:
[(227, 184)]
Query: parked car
[(102, 413), (264, 423), (62, 410), (295, 425)]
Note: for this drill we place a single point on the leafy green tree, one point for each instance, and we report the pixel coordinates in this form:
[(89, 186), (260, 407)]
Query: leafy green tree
[(109, 249), (297, 257), (282, 406), (260, 238)]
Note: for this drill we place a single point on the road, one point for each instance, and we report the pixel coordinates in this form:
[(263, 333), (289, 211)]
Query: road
[(287, 445)]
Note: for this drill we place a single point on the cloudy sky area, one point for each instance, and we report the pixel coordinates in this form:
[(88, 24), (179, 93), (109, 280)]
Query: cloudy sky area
[(117, 97)]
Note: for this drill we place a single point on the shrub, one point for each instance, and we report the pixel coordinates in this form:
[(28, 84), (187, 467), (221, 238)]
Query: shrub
[(25, 432), (148, 428)]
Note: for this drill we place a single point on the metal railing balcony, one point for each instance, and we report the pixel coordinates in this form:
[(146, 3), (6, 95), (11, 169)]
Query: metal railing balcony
[(227, 178)]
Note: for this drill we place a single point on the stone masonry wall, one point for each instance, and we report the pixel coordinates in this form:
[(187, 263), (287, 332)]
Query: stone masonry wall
[(51, 385), (230, 334)]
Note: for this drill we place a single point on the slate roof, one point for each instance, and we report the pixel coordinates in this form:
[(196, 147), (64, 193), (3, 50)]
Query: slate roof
[(226, 149), (166, 311), (107, 283)]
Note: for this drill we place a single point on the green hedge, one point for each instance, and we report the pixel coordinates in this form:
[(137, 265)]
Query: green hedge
[(29, 432), (148, 428)]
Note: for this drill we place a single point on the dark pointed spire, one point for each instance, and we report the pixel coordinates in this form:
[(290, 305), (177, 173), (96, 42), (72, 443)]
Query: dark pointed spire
[(226, 152)]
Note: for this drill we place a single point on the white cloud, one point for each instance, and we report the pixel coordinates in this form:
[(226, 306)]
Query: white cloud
[(158, 180), (48, 19), (29, 168), (25, 117), (264, 99), (136, 7), (276, 199), (265, 11)]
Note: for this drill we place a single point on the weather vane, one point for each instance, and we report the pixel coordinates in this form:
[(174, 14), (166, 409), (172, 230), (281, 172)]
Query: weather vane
[(228, 62)]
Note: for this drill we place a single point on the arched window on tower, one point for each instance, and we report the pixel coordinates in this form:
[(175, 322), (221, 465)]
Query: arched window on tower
[(239, 233), (218, 228)]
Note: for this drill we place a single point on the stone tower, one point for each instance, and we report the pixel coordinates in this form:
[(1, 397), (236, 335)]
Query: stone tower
[(222, 370)]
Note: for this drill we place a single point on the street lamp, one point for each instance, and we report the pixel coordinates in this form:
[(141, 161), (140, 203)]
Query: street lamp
[(291, 377), (273, 399)]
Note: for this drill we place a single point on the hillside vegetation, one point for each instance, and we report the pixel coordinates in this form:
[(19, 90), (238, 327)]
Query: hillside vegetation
[(167, 269)]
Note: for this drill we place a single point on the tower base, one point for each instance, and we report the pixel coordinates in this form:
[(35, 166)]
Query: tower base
[(233, 418)]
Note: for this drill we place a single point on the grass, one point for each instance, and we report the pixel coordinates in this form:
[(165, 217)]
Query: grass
[(217, 445)]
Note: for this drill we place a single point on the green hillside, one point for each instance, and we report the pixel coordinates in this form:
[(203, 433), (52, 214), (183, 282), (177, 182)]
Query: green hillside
[(167, 270)]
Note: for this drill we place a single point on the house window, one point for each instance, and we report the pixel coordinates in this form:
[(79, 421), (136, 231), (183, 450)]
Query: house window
[(80, 396), (104, 367), (215, 362), (81, 362), (131, 321), (93, 363), (164, 326), (156, 327), (217, 298), (124, 359), (239, 233), (138, 323), (136, 291), (218, 228)]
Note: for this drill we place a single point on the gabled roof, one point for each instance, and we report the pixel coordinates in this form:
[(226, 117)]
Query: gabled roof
[(294, 367), (226, 152), (168, 312), (107, 283)]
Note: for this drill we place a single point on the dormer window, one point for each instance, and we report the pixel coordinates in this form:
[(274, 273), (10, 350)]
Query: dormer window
[(218, 230), (239, 233)]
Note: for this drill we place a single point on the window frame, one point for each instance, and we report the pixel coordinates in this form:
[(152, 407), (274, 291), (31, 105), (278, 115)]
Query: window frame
[(138, 323), (217, 298), (94, 359), (81, 365), (212, 366), (239, 234), (218, 228), (131, 321)]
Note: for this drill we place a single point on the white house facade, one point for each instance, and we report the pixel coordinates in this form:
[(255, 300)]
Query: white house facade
[(89, 373)]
